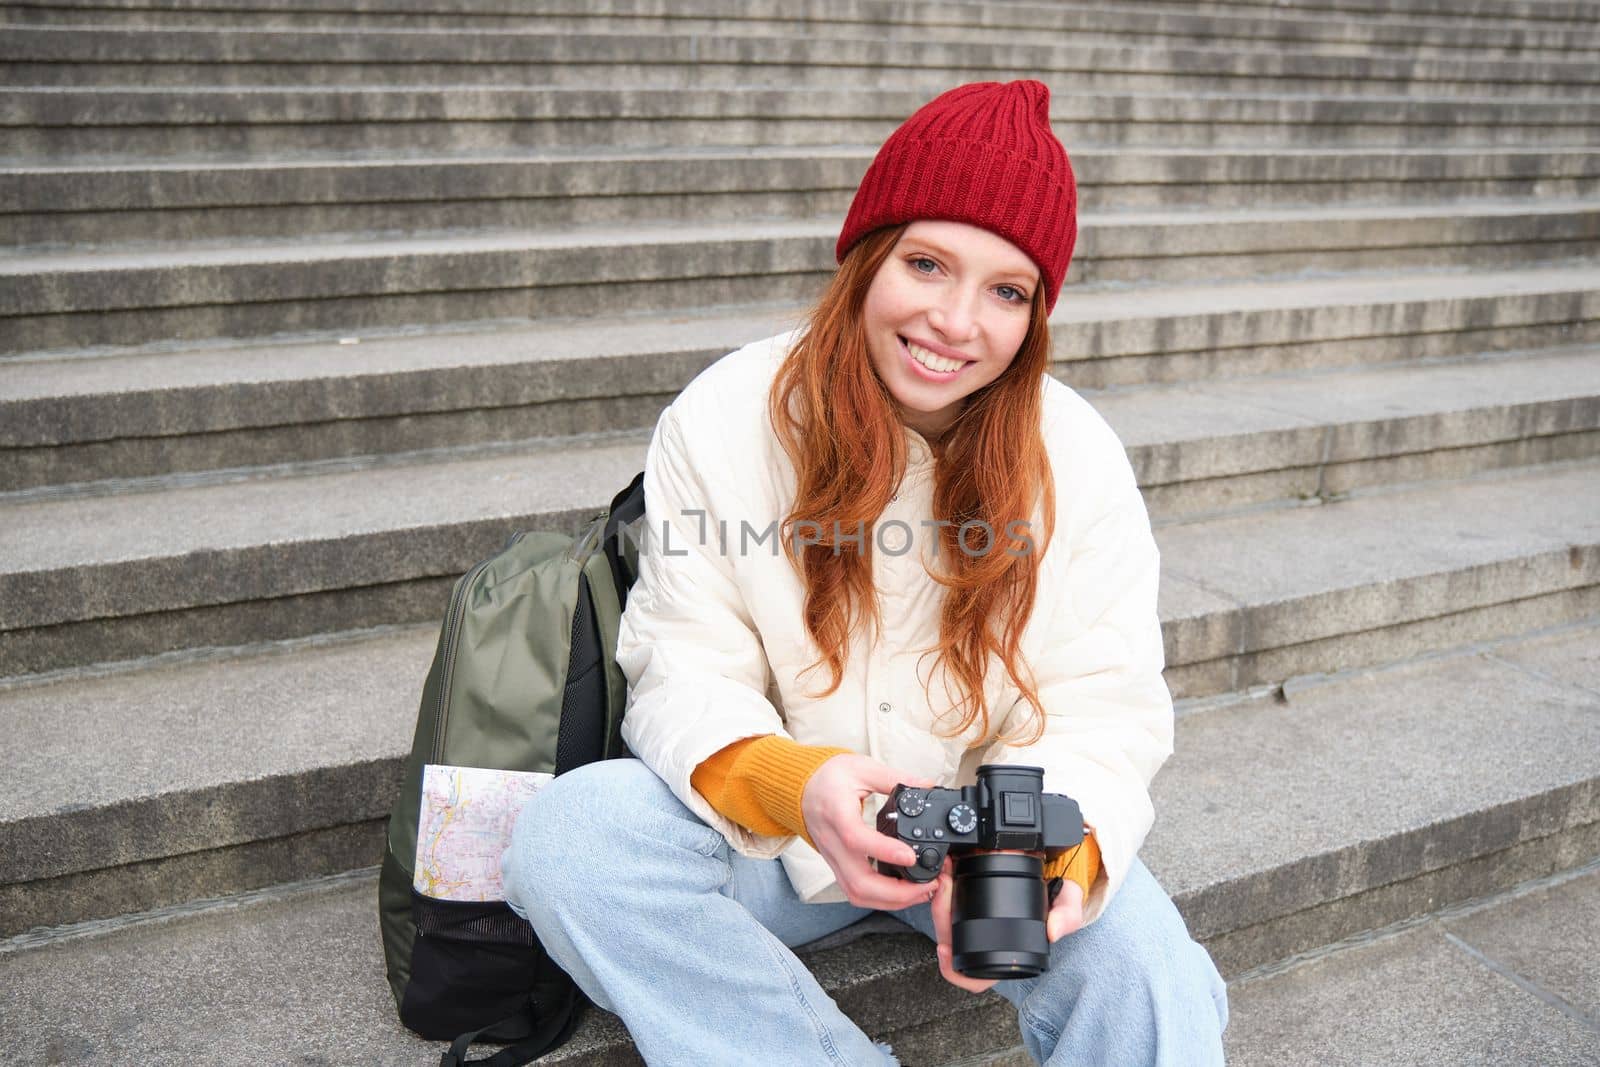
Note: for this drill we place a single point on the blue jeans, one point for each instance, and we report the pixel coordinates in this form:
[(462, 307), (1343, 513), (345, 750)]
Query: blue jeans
[(659, 921)]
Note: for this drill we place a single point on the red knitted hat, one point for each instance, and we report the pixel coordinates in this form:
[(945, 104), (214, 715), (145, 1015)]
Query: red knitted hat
[(983, 154)]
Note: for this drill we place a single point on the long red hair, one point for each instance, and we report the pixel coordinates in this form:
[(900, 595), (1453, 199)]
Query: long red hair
[(842, 431)]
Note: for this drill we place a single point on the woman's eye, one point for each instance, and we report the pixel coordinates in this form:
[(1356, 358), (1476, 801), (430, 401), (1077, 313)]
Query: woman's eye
[(917, 264), (1012, 294)]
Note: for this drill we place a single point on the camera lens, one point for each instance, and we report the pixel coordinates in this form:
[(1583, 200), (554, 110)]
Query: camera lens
[(997, 916)]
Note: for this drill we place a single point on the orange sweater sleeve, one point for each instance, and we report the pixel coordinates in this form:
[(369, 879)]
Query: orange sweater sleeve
[(757, 782), (1080, 865)]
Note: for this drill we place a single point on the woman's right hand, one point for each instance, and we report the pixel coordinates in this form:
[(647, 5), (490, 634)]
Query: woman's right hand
[(831, 807)]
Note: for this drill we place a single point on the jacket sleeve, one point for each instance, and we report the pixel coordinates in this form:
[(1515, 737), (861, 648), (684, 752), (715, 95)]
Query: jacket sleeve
[(1108, 713), (696, 669)]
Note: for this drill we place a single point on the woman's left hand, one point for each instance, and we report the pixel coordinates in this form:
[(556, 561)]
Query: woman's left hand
[(1064, 917), (1066, 914)]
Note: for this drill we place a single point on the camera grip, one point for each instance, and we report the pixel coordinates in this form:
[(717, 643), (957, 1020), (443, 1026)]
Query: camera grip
[(930, 854), (930, 859)]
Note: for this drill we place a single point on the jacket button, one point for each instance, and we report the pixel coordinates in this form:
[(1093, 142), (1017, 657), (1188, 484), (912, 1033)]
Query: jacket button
[(883, 707)]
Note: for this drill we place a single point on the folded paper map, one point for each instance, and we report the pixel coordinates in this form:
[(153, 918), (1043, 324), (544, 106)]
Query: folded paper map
[(465, 823)]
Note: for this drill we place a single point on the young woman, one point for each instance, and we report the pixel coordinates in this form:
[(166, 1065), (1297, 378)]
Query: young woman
[(884, 548)]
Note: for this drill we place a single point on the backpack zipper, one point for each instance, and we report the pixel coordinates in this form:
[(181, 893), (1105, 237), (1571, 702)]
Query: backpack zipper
[(452, 624)]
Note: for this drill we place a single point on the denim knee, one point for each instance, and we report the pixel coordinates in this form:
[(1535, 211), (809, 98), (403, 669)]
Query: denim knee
[(1132, 988), (569, 840)]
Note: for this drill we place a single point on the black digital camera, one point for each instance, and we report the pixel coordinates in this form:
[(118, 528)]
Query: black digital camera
[(998, 911)]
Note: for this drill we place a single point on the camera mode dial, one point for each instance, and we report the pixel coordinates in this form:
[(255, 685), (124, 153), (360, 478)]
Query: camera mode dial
[(912, 803), (963, 819)]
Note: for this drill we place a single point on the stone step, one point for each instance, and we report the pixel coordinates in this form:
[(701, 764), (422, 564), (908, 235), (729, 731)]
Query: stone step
[(1209, 448), (132, 294), (1105, 338), (54, 125), (1166, 31), (1276, 26), (75, 425), (1336, 804), (102, 578), (200, 778), (1286, 821), (155, 415), (338, 1009), (271, 558), (1545, 11), (81, 57), (1140, 335), (1514, 972), (1253, 599), (109, 203)]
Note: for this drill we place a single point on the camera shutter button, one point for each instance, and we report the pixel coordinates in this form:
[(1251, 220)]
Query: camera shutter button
[(928, 858)]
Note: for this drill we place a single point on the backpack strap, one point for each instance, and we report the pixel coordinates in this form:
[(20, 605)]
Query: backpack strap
[(626, 507), (546, 1036)]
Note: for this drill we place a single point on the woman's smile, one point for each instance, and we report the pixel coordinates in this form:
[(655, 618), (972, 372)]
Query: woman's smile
[(932, 365)]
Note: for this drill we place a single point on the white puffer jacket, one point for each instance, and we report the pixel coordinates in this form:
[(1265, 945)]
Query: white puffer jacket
[(713, 641)]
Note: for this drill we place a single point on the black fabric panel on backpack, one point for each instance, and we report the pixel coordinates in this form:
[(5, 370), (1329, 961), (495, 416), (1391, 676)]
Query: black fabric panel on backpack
[(472, 963), (627, 507), (583, 700), (488, 921)]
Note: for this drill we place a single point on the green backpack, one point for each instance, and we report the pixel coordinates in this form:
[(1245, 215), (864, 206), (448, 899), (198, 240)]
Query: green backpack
[(524, 679)]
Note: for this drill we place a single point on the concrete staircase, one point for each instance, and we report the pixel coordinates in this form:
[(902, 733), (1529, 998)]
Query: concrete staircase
[(307, 305)]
